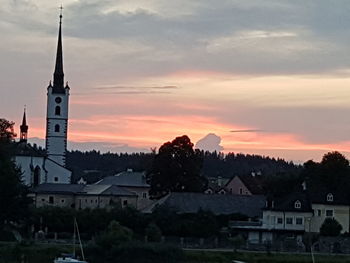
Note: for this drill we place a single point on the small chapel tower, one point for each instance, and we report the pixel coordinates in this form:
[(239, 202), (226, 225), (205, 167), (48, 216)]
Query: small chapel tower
[(24, 128), (57, 109)]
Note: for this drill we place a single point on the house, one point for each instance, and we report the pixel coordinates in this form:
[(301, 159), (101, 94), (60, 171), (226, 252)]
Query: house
[(81, 196), (245, 185), (332, 203), (289, 216), (134, 182), (188, 203)]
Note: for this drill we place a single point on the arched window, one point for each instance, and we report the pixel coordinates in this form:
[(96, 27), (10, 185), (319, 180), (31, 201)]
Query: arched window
[(329, 197), (36, 178), (57, 128), (297, 204), (58, 110)]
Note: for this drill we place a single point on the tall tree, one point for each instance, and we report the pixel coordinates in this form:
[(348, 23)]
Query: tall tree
[(13, 194), (176, 168), (333, 171)]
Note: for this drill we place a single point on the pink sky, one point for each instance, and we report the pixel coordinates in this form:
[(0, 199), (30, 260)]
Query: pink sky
[(269, 79)]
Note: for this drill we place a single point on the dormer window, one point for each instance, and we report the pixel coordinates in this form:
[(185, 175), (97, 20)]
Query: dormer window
[(297, 204), (329, 197)]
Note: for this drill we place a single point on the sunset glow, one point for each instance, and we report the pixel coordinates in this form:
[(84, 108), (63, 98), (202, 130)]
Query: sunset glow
[(145, 72)]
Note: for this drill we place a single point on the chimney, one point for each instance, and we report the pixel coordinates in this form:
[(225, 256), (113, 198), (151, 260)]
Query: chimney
[(304, 185)]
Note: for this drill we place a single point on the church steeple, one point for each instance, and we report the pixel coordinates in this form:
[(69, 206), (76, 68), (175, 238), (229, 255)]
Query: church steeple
[(57, 109), (24, 128), (58, 75)]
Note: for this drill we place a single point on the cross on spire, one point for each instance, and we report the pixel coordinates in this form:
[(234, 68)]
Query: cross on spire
[(61, 8)]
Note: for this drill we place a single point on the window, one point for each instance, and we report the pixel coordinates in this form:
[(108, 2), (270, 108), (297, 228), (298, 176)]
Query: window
[(279, 220), (319, 212), (62, 200), (329, 213), (144, 195), (240, 191), (289, 220), (56, 179), (329, 197), (51, 199), (58, 100), (58, 110), (297, 204), (125, 202), (299, 221), (57, 128)]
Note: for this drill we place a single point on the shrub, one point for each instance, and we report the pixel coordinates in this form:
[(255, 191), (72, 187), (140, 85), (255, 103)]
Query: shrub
[(330, 227)]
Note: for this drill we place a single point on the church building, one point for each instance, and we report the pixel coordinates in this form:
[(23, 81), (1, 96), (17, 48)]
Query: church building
[(48, 166)]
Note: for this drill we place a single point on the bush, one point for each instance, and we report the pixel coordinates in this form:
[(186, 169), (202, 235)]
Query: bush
[(114, 235), (6, 236), (330, 227), (153, 233)]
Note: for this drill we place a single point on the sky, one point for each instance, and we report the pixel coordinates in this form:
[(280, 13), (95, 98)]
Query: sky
[(269, 77)]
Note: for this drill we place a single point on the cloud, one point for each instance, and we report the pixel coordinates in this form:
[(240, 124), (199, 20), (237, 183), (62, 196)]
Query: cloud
[(210, 142), (243, 131), (90, 145)]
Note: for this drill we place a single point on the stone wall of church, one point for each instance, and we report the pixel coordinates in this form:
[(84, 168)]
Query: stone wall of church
[(57, 173), (28, 165)]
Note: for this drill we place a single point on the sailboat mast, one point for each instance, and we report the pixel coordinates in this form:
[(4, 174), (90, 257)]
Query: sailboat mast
[(74, 238), (81, 245)]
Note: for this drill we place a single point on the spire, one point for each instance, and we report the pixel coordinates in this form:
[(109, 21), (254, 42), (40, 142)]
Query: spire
[(24, 128), (58, 75)]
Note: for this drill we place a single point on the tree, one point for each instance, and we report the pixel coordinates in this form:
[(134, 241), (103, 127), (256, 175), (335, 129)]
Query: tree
[(13, 194), (6, 130), (332, 172), (115, 235), (330, 227), (176, 168)]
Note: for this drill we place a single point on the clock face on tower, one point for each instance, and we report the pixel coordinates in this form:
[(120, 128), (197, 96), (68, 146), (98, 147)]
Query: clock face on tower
[(58, 100)]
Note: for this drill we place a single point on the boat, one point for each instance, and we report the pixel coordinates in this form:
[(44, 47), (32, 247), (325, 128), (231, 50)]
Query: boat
[(72, 258), (68, 258)]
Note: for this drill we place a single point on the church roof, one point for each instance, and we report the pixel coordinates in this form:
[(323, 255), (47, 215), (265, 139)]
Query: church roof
[(58, 76), (23, 148), (24, 126), (127, 178)]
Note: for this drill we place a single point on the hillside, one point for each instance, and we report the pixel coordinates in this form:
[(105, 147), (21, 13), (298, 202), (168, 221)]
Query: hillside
[(94, 165)]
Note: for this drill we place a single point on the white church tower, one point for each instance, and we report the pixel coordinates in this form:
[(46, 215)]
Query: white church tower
[(57, 109)]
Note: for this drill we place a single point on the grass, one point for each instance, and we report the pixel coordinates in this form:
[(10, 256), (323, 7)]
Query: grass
[(227, 257), (44, 253)]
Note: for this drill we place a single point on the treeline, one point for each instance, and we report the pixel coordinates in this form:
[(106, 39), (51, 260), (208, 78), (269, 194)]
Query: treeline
[(94, 165), (166, 220)]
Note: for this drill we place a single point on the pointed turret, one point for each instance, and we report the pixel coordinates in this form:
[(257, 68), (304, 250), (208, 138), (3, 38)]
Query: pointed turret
[(24, 128), (58, 75)]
